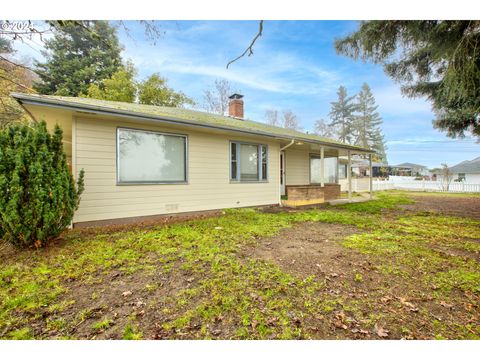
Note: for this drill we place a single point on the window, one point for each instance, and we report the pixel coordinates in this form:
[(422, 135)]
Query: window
[(342, 171), (150, 157), (461, 177), (248, 162), (331, 170)]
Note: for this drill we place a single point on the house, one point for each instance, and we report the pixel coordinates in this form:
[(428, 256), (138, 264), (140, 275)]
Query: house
[(361, 168), (142, 161), (467, 171), (409, 169), (361, 173)]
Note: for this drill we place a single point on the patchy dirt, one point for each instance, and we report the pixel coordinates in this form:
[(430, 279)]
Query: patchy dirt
[(307, 249), (366, 302), (357, 295), (454, 206)]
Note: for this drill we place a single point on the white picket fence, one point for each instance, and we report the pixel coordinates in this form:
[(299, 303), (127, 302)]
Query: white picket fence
[(423, 185)]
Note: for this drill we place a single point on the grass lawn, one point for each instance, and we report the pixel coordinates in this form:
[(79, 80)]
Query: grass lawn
[(390, 268)]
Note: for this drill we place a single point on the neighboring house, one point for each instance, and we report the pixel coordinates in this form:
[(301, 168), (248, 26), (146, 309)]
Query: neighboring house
[(360, 168), (360, 173), (409, 169), (142, 160), (467, 171)]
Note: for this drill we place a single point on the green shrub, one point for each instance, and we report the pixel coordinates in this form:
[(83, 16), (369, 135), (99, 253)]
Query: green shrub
[(38, 192)]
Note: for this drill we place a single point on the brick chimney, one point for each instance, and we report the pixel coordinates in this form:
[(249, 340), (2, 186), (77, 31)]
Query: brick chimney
[(235, 106)]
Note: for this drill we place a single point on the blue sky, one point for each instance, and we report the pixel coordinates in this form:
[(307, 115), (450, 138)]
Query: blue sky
[(294, 67)]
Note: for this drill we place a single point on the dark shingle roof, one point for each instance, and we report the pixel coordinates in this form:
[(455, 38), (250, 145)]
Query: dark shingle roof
[(467, 167), (179, 115)]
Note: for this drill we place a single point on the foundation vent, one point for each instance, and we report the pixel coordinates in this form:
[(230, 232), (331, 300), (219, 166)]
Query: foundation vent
[(171, 207)]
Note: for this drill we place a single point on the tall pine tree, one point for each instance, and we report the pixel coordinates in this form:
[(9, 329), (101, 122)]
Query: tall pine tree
[(78, 55), (439, 59), (341, 115), (379, 147), (367, 121)]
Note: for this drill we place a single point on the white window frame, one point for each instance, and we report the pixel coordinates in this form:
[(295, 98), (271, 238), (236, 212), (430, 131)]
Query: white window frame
[(160, 182), (260, 162), (316, 156)]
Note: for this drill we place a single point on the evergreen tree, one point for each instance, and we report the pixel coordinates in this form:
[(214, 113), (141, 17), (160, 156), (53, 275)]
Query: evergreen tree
[(367, 118), (438, 59), (79, 54), (39, 196), (367, 121), (341, 115), (379, 147)]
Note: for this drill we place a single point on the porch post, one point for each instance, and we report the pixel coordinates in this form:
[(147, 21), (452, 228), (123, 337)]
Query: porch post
[(371, 175), (349, 175), (322, 166)]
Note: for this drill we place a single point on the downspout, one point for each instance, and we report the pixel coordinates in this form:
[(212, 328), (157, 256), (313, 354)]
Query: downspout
[(288, 145), (279, 158)]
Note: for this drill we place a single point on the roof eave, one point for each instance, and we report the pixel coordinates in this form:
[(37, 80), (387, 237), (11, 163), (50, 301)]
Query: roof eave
[(32, 100)]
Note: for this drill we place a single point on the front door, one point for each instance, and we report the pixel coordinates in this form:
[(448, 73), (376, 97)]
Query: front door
[(282, 172)]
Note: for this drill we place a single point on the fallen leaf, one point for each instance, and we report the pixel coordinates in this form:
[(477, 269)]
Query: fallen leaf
[(339, 324), (272, 321), (386, 299), (126, 293), (409, 304), (381, 331), (444, 304)]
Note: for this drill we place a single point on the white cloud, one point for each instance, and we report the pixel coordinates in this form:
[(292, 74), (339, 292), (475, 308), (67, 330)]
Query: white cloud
[(392, 102)]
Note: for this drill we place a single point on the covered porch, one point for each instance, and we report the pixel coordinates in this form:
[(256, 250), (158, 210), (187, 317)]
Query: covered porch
[(310, 173)]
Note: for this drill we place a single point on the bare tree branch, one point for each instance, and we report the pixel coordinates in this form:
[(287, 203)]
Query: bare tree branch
[(249, 50)]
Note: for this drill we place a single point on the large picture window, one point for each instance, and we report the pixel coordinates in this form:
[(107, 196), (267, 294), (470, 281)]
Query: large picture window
[(248, 162), (331, 167), (150, 157)]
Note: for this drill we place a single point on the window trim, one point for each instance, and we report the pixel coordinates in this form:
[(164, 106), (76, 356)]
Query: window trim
[(317, 156), (117, 161), (259, 165)]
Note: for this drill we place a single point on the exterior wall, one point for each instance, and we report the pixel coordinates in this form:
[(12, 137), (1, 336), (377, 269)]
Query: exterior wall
[(469, 178), (472, 178), (208, 165), (56, 117), (297, 166)]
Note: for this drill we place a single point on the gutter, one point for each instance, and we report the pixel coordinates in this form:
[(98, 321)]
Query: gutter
[(32, 100)]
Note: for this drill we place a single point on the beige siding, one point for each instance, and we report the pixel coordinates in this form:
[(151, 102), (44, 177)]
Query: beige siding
[(55, 117), (297, 166), (208, 185)]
